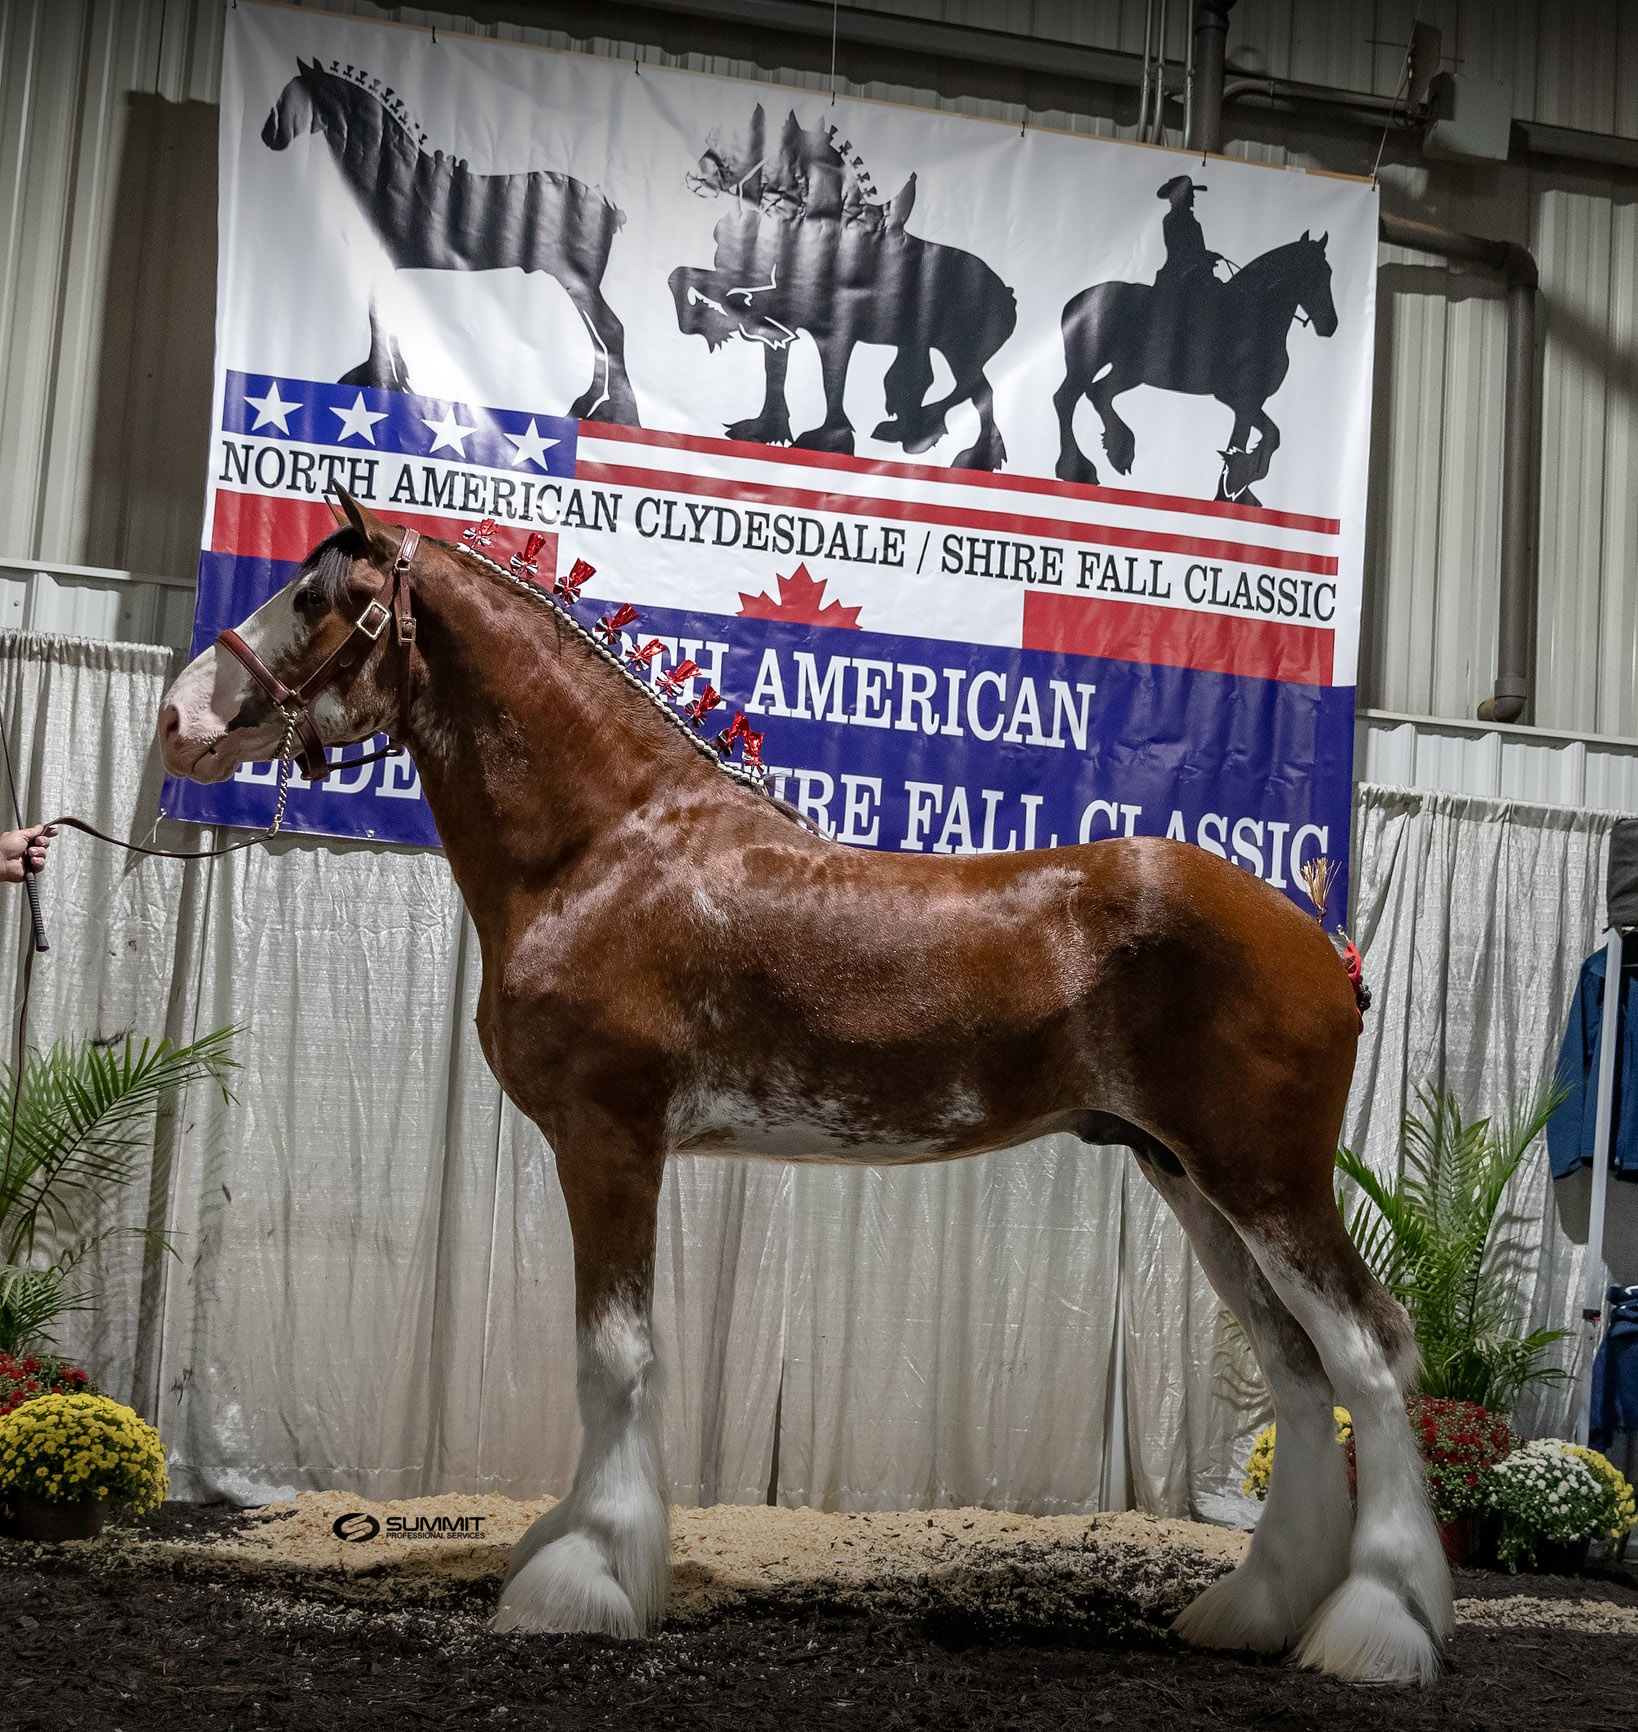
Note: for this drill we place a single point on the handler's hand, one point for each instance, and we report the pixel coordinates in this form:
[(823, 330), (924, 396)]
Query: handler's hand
[(18, 847)]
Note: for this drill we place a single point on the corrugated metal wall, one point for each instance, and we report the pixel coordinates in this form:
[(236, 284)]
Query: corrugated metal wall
[(107, 189)]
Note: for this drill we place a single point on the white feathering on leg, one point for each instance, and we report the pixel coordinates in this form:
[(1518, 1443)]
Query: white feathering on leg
[(601, 1559)]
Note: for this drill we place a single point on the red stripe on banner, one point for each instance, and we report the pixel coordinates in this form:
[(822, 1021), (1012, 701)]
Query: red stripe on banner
[(601, 430), (955, 516), (257, 526), (1217, 643)]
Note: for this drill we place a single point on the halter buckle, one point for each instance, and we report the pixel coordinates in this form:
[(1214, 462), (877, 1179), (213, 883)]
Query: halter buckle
[(373, 620)]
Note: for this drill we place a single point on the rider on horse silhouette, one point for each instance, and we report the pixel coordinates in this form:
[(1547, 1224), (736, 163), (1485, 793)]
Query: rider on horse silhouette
[(1186, 249)]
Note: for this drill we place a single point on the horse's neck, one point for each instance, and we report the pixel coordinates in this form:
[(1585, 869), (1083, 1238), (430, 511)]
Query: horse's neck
[(529, 748), (1269, 283), (361, 133)]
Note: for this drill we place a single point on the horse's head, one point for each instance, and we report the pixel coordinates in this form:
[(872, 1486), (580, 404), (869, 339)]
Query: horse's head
[(731, 167), (296, 113), (216, 716), (1313, 283), (736, 299)]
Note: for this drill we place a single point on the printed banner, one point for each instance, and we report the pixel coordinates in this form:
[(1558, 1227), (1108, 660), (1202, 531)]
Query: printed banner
[(1012, 485)]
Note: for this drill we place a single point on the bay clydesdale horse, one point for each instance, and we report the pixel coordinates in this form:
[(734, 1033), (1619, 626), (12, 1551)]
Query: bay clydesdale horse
[(671, 963)]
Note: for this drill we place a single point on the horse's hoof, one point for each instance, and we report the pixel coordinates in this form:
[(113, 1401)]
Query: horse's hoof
[(612, 410), (1239, 1613), (1366, 1634), (925, 439), (984, 453), (566, 1587), (1121, 452), (1074, 466), (826, 438), (760, 430)]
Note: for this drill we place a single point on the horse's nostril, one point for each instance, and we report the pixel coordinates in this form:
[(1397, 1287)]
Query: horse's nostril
[(170, 724)]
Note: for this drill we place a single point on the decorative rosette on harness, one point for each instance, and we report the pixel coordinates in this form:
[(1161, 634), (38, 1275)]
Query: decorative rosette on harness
[(1317, 877)]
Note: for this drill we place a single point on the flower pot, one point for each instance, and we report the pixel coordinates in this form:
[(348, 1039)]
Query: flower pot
[(1460, 1538), (1560, 1557), (1487, 1533), (80, 1520)]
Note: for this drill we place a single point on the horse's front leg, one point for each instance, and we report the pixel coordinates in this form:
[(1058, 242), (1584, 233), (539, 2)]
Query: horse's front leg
[(773, 425), (1268, 442), (836, 432), (601, 1559), (1240, 461)]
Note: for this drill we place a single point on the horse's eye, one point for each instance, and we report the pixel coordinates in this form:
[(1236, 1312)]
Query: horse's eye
[(308, 601)]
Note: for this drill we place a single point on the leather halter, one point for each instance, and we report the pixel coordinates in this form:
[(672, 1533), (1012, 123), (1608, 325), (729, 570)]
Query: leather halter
[(390, 601)]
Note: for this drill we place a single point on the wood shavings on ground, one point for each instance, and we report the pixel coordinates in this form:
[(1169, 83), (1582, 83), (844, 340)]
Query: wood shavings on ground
[(1110, 1570), (1116, 1571)]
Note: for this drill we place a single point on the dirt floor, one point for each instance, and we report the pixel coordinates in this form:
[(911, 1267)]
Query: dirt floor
[(210, 1618)]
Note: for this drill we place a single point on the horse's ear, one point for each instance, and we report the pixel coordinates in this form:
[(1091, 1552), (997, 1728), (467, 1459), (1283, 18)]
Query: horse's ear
[(360, 517), (1323, 239), (1305, 234)]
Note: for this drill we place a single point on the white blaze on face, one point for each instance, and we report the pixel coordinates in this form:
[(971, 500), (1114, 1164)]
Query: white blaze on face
[(211, 691)]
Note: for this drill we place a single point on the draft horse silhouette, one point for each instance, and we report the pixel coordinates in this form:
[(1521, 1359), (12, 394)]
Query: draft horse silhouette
[(432, 213), (1205, 338), (806, 247)]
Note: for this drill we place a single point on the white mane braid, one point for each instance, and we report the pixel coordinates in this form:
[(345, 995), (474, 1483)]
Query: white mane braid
[(389, 99)]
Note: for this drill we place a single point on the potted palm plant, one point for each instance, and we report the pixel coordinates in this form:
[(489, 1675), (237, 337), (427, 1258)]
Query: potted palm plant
[(79, 1125)]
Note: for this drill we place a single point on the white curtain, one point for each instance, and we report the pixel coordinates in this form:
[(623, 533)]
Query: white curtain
[(372, 1283)]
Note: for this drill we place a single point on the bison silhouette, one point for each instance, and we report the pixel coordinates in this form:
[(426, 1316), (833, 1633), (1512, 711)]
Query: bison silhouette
[(807, 247)]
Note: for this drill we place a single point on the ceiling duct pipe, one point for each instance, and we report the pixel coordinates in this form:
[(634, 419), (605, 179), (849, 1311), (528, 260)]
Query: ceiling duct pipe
[(1515, 634), (1211, 18)]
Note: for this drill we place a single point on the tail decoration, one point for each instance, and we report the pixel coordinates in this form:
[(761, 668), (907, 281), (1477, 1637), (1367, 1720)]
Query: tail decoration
[(1318, 875), (643, 664)]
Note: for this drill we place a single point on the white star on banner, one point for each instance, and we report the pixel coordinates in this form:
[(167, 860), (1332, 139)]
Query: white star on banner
[(358, 422), (449, 432), (271, 410), (531, 445)]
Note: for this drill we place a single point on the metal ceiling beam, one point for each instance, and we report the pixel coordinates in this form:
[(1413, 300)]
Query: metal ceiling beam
[(964, 60)]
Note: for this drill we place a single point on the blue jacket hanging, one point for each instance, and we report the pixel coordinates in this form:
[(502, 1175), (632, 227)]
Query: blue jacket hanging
[(1570, 1129)]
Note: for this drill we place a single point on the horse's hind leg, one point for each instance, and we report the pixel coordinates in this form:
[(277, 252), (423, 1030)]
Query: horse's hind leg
[(988, 450), (609, 396), (1118, 439), (904, 389), (1073, 463), (1299, 1552), (1389, 1619), (600, 1559)]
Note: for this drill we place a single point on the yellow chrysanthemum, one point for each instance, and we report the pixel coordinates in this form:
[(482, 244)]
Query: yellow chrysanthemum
[(82, 1445), (1260, 1463), (1612, 1476)]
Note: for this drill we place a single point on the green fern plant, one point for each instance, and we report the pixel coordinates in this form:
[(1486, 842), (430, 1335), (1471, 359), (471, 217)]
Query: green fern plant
[(81, 1130), (1440, 1239)]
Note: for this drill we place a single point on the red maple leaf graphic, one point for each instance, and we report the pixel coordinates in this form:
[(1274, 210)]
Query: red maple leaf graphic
[(799, 600)]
